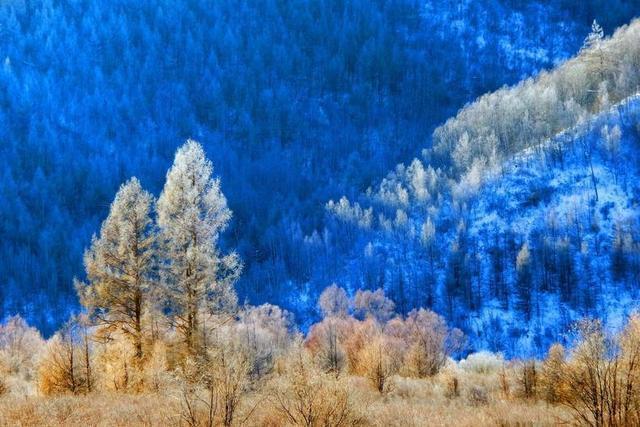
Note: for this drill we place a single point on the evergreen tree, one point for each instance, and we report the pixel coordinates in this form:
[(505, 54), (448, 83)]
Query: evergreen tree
[(192, 212), (524, 281), (618, 256), (567, 280), (119, 265)]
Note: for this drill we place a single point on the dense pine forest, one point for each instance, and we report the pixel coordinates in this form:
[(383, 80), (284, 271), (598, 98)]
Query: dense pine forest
[(320, 213)]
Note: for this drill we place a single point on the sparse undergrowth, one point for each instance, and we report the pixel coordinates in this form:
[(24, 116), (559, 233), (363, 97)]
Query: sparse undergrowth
[(414, 403)]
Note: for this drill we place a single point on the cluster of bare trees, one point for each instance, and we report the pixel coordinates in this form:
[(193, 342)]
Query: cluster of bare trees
[(162, 317), (598, 378), (377, 344), (256, 363)]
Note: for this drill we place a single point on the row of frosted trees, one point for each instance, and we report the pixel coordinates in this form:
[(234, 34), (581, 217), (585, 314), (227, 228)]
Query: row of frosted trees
[(162, 256), (357, 361)]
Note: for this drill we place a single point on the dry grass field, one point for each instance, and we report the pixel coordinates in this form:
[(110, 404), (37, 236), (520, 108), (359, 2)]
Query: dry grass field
[(413, 404)]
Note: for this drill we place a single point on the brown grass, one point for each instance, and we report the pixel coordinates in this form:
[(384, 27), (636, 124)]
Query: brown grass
[(90, 410), (413, 402)]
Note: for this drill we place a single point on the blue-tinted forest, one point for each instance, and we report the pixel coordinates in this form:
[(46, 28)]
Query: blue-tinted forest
[(296, 103)]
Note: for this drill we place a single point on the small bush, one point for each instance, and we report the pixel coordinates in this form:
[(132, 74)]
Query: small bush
[(4, 389), (302, 394), (528, 379), (452, 387), (482, 362), (477, 396)]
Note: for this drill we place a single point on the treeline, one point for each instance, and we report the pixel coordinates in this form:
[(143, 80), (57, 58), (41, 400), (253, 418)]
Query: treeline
[(353, 368)]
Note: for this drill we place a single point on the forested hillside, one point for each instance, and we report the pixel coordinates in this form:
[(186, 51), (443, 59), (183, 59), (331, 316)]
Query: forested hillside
[(320, 212), (523, 217), (162, 340), (296, 103)]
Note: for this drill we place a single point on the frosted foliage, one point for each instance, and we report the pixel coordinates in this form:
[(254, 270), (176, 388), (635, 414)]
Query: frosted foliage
[(264, 334), (483, 362), (20, 349), (462, 154), (119, 263), (523, 258), (334, 301), (402, 220), (351, 213), (611, 138), (505, 122), (595, 37), (428, 232), (392, 193), (418, 178), (373, 304), (369, 250), (273, 324), (192, 212), (471, 181)]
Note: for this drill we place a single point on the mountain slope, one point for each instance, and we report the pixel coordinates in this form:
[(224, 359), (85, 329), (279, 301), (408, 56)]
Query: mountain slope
[(524, 216), (296, 102), (552, 207)]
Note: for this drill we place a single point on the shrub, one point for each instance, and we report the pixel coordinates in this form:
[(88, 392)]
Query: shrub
[(477, 396), (552, 387), (601, 375), (66, 364), (301, 394), (482, 362), (429, 340)]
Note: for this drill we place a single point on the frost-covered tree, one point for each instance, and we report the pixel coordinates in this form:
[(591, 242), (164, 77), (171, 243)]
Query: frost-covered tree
[(524, 281), (427, 238), (192, 212), (594, 39), (326, 341), (119, 265), (20, 349), (66, 365), (374, 304), (334, 301), (428, 339)]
